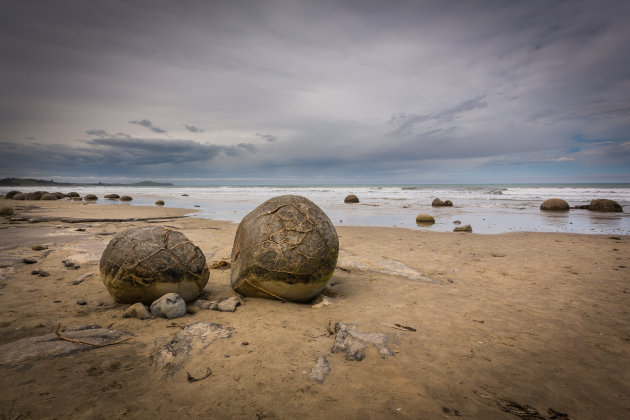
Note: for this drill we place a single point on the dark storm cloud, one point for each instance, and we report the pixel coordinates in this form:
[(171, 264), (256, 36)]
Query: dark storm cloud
[(193, 129), (148, 124), (270, 138)]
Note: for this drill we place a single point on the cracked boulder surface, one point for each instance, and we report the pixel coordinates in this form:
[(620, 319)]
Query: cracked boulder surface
[(145, 263), (285, 249)]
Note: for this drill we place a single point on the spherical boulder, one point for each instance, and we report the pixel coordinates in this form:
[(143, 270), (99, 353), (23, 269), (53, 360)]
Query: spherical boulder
[(73, 194), (351, 199), (35, 195), (142, 264), (554, 204), (605, 205), (60, 195), (112, 197), (11, 194), (425, 219), (91, 197), (125, 198), (285, 249), (159, 203), (19, 196), (49, 196)]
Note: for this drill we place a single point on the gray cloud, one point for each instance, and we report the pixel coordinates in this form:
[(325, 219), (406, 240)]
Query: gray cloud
[(348, 86), (193, 129), (148, 124), (270, 138)]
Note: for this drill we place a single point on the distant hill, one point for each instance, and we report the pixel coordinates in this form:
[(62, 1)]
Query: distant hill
[(26, 182)]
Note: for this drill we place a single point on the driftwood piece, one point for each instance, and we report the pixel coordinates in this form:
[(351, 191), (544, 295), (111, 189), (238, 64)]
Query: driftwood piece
[(57, 345)]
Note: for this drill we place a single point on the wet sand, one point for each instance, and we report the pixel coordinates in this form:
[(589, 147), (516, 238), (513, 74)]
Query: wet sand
[(530, 319)]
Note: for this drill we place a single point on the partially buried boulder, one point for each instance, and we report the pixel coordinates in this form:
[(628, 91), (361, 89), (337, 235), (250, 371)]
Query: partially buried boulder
[(111, 196), (73, 194), (425, 219), (125, 198), (60, 195), (439, 203), (605, 205), (285, 249), (91, 197), (554, 204), (159, 203), (465, 228), (351, 199), (142, 264), (35, 195), (19, 196), (49, 196), (11, 194), (170, 306)]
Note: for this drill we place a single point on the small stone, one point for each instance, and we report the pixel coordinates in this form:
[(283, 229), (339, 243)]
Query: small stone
[(82, 278), (137, 310), (29, 260), (226, 305), (320, 370), (80, 230), (457, 222), (244, 343), (81, 302), (170, 306), (220, 265), (71, 264), (325, 301), (39, 247), (36, 272), (466, 228)]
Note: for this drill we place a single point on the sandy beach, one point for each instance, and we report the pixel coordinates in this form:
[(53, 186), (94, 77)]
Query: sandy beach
[(499, 324)]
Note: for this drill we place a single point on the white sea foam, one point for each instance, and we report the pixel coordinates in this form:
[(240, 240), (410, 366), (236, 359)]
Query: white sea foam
[(488, 208)]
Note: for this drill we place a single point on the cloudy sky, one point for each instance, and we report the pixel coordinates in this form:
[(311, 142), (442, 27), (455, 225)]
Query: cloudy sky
[(224, 92)]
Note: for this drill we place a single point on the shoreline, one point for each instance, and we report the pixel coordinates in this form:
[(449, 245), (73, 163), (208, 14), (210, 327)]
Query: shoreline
[(539, 319)]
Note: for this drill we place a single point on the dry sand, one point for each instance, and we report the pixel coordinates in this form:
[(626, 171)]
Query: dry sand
[(537, 319)]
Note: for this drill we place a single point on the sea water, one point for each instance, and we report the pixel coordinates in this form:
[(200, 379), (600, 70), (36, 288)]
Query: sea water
[(487, 208)]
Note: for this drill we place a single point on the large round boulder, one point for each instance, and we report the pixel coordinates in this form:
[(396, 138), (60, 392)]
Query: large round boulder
[(19, 196), (91, 197), (605, 205), (425, 219), (143, 264), (285, 249), (351, 199), (49, 196), (11, 194), (554, 204), (125, 198), (35, 195), (73, 194)]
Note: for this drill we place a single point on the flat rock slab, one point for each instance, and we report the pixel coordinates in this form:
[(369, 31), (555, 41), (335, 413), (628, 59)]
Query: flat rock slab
[(353, 343), (320, 370), (171, 353), (50, 345)]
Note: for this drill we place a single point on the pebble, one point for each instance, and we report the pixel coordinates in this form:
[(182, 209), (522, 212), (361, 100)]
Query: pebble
[(29, 260), (82, 278), (39, 247), (81, 302), (137, 310), (170, 306), (226, 305), (71, 264)]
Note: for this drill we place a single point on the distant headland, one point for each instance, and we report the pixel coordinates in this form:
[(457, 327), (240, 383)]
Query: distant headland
[(26, 182)]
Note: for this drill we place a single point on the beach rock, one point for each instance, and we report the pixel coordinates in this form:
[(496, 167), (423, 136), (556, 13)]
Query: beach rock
[(81, 302), (171, 353), (39, 247), (11, 194), (170, 306), (351, 199), (425, 219), (225, 305), (82, 279), (112, 196), (73, 194), (184, 195), (125, 198), (159, 203), (91, 197), (352, 342), (554, 204), (580, 207), (137, 310), (19, 196), (457, 222), (49, 196), (60, 195), (77, 199), (439, 203), (141, 264), (50, 345), (465, 228), (320, 370), (285, 249), (71, 264), (29, 260), (35, 195), (6, 211), (605, 205)]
